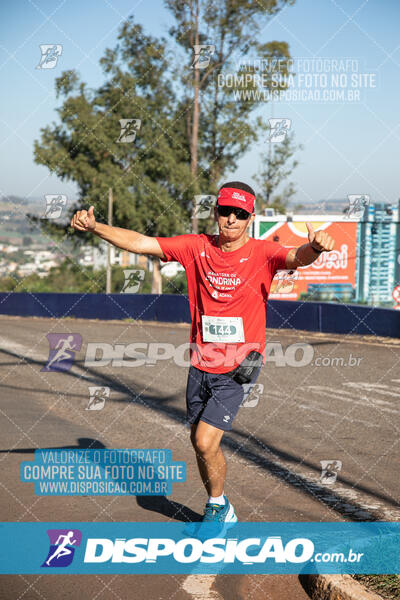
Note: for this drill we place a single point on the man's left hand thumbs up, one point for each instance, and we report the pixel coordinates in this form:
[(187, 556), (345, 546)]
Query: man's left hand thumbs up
[(320, 241)]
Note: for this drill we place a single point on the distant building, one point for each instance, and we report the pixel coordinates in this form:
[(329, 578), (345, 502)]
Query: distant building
[(9, 268), (43, 255), (26, 269), (323, 207), (269, 212), (97, 257), (10, 248), (378, 253), (46, 265)]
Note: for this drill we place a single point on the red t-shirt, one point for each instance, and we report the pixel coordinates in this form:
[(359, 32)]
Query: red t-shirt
[(225, 284)]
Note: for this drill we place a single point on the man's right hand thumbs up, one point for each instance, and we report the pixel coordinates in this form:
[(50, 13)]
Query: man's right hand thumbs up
[(84, 220)]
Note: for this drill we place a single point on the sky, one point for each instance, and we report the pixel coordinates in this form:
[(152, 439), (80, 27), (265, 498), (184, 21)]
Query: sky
[(348, 147)]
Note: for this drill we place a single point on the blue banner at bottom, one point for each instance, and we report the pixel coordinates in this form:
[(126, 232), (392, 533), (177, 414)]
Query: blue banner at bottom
[(200, 548)]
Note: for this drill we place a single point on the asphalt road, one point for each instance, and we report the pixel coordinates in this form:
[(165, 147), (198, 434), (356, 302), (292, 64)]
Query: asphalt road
[(334, 408)]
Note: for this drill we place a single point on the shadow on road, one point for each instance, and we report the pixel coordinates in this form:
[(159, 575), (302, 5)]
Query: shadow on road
[(83, 443), (168, 508), (333, 500)]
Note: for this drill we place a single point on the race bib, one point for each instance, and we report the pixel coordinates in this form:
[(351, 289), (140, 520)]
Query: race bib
[(222, 329)]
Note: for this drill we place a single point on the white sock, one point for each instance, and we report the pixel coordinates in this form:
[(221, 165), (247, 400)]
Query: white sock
[(217, 499)]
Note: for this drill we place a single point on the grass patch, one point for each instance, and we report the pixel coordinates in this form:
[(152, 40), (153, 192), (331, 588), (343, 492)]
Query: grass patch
[(388, 586)]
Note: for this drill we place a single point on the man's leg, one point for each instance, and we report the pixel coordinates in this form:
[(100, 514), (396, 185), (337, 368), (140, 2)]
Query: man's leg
[(210, 459)]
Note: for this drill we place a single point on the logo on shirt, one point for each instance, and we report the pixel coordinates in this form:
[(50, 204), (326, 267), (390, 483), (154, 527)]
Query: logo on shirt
[(226, 281), (243, 259)]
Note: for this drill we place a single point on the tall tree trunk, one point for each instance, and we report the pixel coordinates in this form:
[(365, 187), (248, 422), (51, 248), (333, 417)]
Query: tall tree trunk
[(215, 168), (156, 286), (195, 123)]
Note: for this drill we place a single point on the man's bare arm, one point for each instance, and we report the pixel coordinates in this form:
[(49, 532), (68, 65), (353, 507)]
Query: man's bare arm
[(122, 238), (319, 241), (129, 240), (300, 257)]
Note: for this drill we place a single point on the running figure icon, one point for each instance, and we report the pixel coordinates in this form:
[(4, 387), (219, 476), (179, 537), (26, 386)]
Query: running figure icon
[(62, 347), (62, 549), (63, 543)]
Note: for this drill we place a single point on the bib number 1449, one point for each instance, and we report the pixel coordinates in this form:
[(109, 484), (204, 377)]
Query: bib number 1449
[(222, 329)]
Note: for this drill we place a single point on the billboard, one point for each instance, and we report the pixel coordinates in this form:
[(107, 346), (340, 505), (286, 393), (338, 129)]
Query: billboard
[(332, 276)]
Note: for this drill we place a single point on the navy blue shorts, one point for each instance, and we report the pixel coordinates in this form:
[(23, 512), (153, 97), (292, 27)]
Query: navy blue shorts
[(214, 398)]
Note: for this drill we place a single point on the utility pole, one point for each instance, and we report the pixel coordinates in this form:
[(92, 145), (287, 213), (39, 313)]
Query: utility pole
[(110, 213), (270, 156)]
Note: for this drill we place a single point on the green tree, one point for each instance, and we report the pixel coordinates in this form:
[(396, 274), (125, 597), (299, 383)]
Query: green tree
[(70, 277), (192, 128), (278, 166), (150, 176), (218, 126)]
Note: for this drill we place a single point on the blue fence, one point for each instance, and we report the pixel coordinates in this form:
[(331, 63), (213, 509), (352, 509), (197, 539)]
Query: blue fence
[(174, 308)]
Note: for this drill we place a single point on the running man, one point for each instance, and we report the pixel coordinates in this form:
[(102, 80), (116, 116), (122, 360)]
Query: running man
[(55, 205), (229, 276), (62, 549), (63, 345)]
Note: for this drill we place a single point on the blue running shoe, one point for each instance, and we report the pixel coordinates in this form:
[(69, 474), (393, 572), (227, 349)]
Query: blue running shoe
[(217, 519), (219, 512)]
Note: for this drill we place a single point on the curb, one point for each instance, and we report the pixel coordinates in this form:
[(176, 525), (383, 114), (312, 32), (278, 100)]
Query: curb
[(336, 587)]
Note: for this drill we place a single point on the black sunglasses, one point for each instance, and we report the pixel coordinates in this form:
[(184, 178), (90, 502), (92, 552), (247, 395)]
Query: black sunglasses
[(239, 213)]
